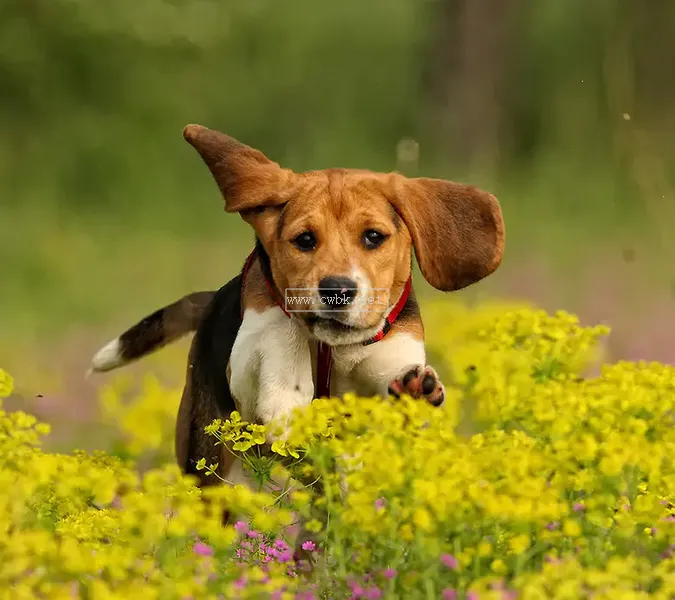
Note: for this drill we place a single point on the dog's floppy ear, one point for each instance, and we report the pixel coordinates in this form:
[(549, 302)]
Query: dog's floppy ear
[(457, 230), (246, 177)]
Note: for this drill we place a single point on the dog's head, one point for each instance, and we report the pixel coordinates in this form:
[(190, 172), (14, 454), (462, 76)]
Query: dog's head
[(340, 241)]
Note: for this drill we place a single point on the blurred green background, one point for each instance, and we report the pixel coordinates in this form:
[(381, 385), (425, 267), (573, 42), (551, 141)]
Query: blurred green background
[(564, 109)]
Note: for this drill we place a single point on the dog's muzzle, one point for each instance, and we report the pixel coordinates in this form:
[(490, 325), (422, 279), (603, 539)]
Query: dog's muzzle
[(336, 295)]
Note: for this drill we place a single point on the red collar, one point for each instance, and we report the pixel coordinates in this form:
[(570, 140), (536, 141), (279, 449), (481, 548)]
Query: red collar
[(324, 354)]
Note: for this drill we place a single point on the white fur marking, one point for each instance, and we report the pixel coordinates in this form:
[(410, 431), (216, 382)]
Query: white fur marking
[(271, 367), (363, 294), (108, 357)]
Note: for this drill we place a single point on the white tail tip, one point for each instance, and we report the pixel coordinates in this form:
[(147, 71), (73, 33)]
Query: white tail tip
[(107, 358)]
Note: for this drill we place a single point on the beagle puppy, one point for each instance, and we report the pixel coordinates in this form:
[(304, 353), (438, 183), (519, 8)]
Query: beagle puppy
[(324, 304)]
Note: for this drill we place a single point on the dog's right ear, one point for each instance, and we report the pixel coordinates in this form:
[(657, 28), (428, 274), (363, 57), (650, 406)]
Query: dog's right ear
[(247, 179)]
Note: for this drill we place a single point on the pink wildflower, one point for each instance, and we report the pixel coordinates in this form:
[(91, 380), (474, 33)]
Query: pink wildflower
[(280, 545), (285, 556), (449, 561), (389, 573), (202, 549), (449, 594), (240, 583), (241, 527)]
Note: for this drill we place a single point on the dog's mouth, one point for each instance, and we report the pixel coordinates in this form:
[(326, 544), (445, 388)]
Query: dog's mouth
[(331, 330), (331, 322)]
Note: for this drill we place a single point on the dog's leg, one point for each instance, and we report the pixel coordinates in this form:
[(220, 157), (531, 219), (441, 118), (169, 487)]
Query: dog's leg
[(396, 365), (271, 368), (406, 370), (270, 376)]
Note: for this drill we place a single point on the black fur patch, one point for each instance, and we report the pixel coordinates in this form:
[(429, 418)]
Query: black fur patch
[(213, 344), (208, 385), (147, 333), (164, 325)]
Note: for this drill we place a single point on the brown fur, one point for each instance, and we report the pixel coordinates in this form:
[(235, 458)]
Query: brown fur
[(457, 230), (255, 294)]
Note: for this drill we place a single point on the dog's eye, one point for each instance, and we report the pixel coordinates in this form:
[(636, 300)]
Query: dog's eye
[(306, 241), (373, 238)]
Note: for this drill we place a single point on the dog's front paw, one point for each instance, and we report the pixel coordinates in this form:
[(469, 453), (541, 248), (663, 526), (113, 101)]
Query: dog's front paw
[(419, 381), (276, 432), (278, 428)]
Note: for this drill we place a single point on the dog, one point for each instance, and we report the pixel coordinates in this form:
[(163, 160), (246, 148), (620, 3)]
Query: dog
[(324, 304)]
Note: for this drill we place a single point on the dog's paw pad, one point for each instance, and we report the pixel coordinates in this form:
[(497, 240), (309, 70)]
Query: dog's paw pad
[(419, 381)]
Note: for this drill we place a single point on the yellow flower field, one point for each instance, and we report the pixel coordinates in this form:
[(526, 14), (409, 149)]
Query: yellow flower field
[(538, 479)]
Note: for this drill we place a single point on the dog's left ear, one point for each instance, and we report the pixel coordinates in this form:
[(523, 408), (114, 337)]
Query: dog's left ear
[(457, 230)]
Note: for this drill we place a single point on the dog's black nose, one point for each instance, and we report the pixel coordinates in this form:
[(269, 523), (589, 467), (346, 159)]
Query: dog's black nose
[(337, 293)]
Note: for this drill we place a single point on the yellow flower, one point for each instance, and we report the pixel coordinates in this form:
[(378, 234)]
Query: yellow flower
[(6, 384), (314, 526), (422, 519), (484, 549), (571, 528), (301, 498), (395, 480), (498, 566), (406, 532), (519, 543)]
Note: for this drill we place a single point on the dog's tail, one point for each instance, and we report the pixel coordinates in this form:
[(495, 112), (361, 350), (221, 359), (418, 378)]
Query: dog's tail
[(155, 331)]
